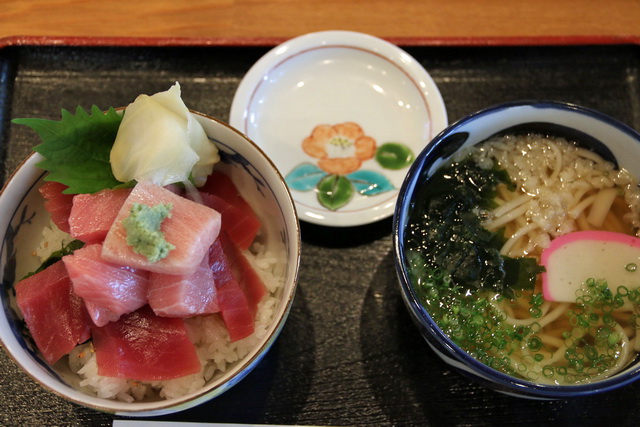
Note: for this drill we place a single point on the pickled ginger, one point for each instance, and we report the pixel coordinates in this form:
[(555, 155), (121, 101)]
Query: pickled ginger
[(159, 141)]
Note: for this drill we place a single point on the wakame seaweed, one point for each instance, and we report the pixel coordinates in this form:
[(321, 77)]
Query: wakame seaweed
[(445, 228), (56, 256)]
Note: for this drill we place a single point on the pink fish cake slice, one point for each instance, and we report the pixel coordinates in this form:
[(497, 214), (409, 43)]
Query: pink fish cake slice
[(192, 228)]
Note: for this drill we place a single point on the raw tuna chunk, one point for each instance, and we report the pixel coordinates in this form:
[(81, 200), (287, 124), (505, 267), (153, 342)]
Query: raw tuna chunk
[(236, 296), (174, 188), (100, 315), (184, 296), (145, 347), (242, 224), (92, 214), (234, 305), (192, 228), (57, 203), (55, 316), (250, 282), (104, 285)]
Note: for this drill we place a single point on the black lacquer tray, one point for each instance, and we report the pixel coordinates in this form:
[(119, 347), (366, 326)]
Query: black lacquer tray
[(349, 353)]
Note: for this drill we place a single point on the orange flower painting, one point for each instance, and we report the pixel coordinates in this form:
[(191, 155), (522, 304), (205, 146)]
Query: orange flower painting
[(341, 148)]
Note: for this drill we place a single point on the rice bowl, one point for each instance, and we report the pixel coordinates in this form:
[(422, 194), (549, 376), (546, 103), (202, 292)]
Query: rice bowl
[(276, 255)]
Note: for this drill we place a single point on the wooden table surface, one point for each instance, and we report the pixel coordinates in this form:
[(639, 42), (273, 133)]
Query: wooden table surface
[(281, 19)]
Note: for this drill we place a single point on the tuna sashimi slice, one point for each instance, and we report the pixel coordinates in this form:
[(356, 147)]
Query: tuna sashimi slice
[(244, 224), (55, 315), (234, 306), (249, 280), (145, 347), (221, 185), (239, 287), (57, 203), (192, 228), (93, 214), (100, 283), (241, 225), (100, 315), (184, 296)]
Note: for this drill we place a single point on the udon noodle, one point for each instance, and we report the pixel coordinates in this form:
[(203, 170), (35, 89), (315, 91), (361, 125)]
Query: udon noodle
[(559, 188)]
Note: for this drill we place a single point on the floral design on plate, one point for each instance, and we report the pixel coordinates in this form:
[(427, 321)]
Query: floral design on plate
[(340, 151), (382, 102)]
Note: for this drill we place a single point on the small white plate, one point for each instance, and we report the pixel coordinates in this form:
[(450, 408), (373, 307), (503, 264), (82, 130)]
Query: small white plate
[(342, 115)]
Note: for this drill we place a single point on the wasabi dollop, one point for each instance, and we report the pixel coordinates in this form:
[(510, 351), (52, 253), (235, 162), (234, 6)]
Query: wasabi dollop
[(143, 230)]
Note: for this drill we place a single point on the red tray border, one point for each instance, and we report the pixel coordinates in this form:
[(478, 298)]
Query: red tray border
[(273, 41)]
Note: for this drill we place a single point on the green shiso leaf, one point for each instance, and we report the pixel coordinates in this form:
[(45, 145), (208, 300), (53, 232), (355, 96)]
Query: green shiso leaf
[(76, 148)]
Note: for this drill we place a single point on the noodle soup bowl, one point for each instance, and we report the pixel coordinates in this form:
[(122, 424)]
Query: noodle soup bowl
[(257, 179), (612, 140)]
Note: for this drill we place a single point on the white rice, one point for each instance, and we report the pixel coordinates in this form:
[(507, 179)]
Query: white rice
[(53, 239), (208, 333)]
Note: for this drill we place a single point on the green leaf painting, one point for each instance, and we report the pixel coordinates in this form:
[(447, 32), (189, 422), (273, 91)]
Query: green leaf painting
[(340, 151), (370, 183), (305, 177), (393, 155), (334, 191)]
